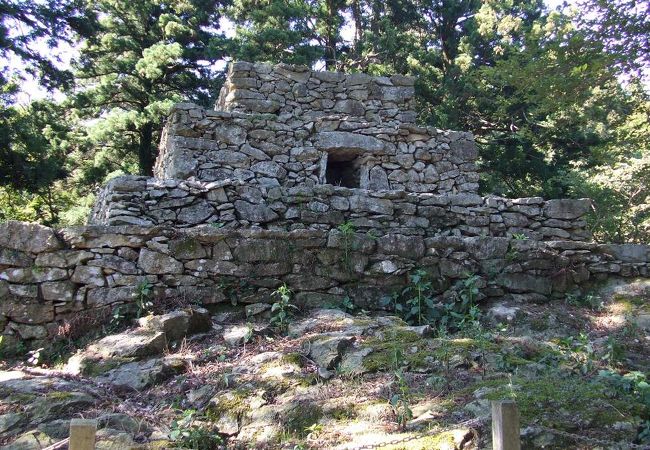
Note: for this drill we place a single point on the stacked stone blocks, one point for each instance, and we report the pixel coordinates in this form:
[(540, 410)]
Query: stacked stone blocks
[(254, 194)]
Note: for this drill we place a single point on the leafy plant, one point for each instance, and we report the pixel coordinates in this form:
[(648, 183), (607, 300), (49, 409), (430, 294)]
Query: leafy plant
[(282, 310), (400, 400), (348, 304), (614, 351), (188, 432), (591, 301), (418, 306), (579, 353), (519, 236), (143, 303), (511, 254), (634, 382), (463, 312), (415, 303), (347, 230)]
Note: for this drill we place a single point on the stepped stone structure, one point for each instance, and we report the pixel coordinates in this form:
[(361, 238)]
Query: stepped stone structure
[(319, 180)]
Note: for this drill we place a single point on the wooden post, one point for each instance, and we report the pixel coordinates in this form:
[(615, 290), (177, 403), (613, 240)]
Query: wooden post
[(82, 434), (505, 425)]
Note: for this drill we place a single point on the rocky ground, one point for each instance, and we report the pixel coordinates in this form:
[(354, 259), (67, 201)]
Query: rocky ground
[(334, 379)]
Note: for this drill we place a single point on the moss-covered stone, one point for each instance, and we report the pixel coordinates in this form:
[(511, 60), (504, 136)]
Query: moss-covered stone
[(298, 417), (442, 441), (564, 400), (96, 367)]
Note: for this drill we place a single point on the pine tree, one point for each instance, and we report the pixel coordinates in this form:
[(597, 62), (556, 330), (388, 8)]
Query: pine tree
[(291, 31), (144, 56)]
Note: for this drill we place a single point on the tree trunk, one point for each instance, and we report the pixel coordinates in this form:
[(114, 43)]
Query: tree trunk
[(358, 27), (331, 37), (145, 153)]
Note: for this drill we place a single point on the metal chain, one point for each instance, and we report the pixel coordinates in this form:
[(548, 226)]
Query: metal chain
[(590, 440), (467, 423)]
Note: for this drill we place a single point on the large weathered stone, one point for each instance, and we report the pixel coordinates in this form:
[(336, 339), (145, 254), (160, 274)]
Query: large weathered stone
[(103, 296), (195, 214), (115, 263), (28, 312), (230, 134), (519, 282), (15, 258), (252, 250), (60, 291), (140, 375), (378, 180), (134, 344), (158, 263), (63, 258), (567, 208), (255, 213), (327, 350), (405, 246), (187, 248), (269, 169), (341, 141), (28, 237), (371, 204), (93, 276)]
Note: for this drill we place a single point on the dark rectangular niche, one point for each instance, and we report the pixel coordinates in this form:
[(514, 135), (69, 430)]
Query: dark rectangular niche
[(344, 173)]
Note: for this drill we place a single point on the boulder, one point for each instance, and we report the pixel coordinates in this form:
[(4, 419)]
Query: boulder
[(28, 237), (131, 344), (237, 335), (326, 350), (140, 375), (174, 324), (49, 407)]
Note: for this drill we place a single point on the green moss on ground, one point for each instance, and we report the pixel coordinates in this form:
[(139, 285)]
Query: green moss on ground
[(300, 418), (436, 442), (562, 400), (97, 367), (233, 402)]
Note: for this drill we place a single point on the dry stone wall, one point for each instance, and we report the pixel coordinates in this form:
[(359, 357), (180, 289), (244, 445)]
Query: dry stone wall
[(252, 196), (47, 276), (299, 92), (268, 150), (133, 200)]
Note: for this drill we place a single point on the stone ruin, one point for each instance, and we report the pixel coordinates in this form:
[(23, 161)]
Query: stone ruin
[(256, 192)]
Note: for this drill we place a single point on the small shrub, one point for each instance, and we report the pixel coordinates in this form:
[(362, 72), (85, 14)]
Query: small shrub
[(347, 230), (282, 310), (143, 303), (415, 303), (400, 400), (348, 304), (591, 301), (187, 432)]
